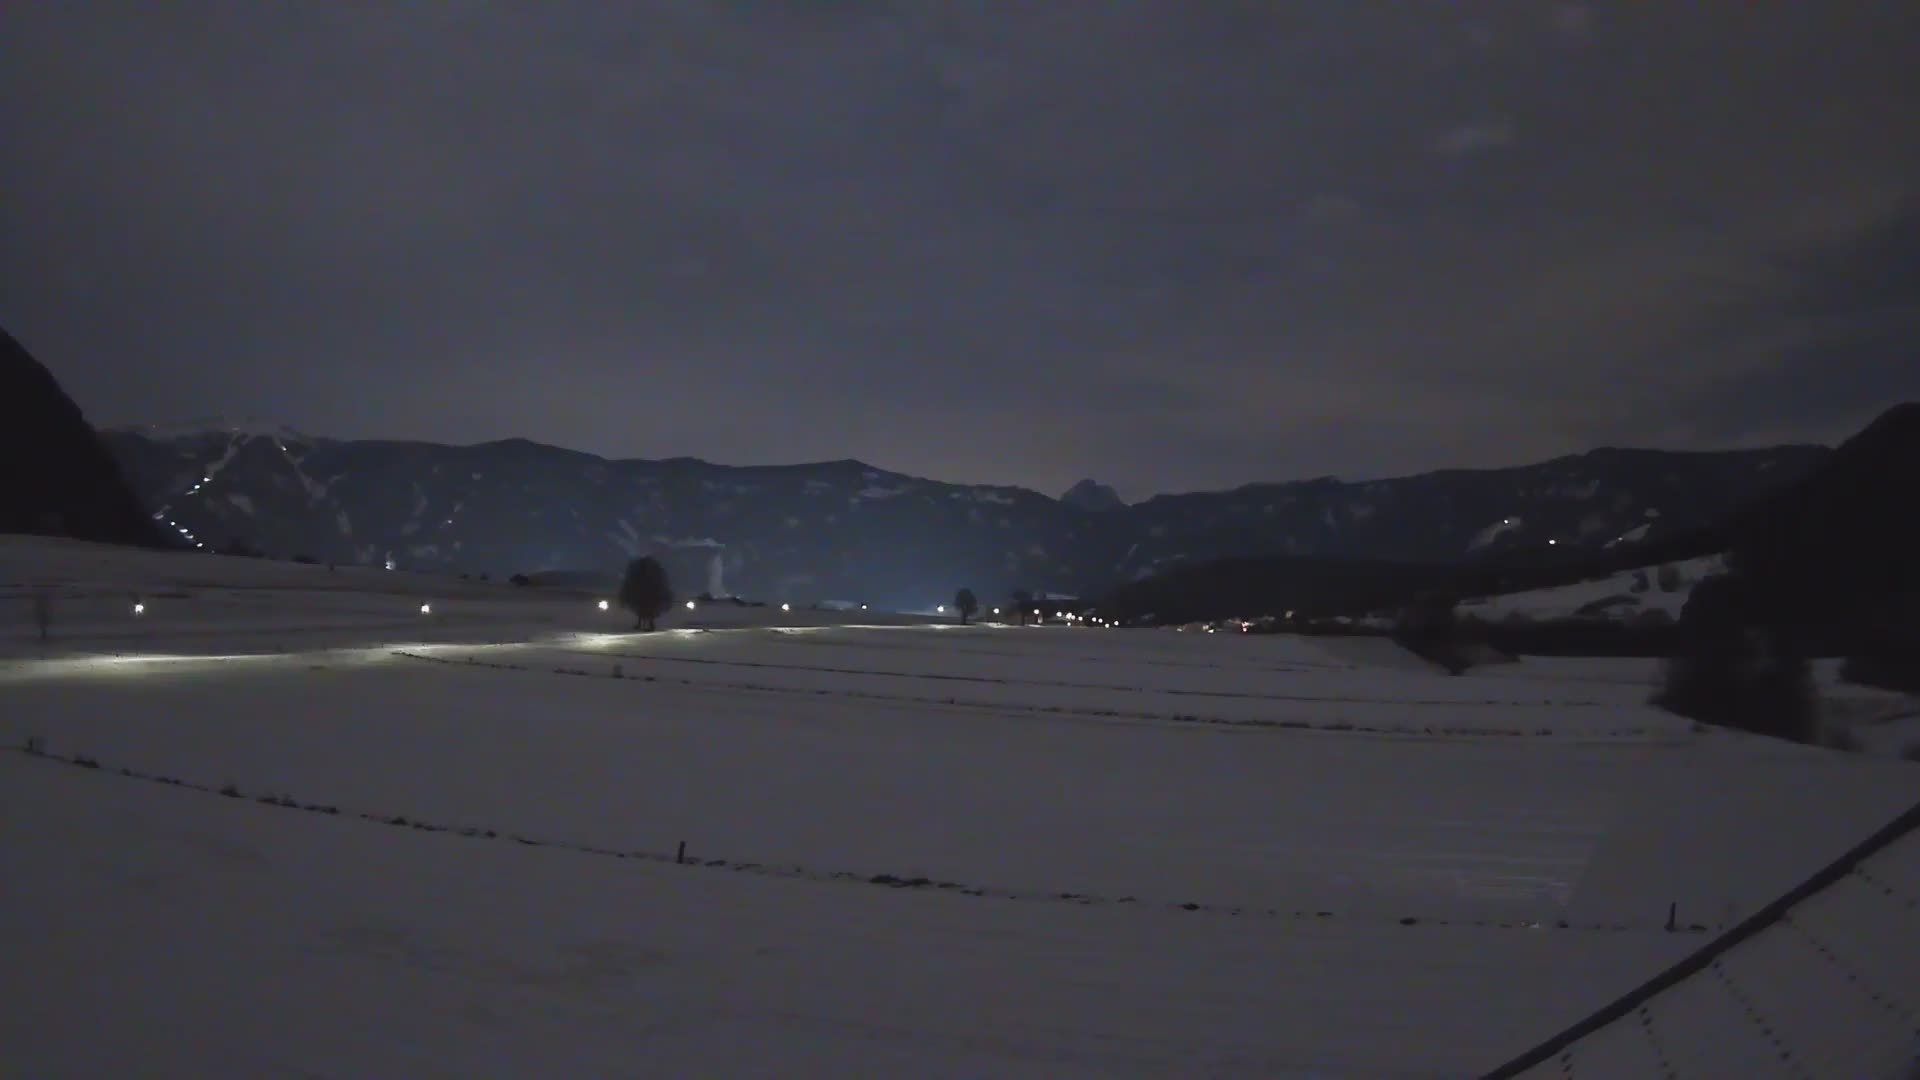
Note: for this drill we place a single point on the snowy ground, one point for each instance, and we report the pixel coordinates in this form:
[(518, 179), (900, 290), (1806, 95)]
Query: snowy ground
[(911, 848), (1622, 595)]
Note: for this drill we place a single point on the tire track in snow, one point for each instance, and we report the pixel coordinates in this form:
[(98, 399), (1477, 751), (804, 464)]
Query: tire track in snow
[(1343, 727), (968, 649), (1239, 695)]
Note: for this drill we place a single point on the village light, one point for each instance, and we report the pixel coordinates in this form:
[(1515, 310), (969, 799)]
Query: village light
[(786, 607), (941, 610), (689, 605), (139, 608), (426, 609), (604, 605)]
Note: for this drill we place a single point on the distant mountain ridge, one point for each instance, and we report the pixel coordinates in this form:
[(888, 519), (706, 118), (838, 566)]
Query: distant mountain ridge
[(1829, 553), (848, 530)]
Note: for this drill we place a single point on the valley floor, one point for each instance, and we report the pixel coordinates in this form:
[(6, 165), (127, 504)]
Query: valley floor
[(450, 844)]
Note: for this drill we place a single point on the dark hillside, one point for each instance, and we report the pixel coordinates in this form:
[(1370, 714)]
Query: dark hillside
[(56, 478)]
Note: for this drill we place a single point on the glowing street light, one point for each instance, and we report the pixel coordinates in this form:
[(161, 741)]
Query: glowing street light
[(604, 605), (786, 607), (139, 608), (689, 605), (941, 610), (426, 609)]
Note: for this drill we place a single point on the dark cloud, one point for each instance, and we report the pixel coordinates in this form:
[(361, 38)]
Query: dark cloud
[(1164, 243), (1825, 350)]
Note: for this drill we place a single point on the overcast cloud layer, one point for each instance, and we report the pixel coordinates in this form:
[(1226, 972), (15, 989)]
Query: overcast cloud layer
[(1172, 245)]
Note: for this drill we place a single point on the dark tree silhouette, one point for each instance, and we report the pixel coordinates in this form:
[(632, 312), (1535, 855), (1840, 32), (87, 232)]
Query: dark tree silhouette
[(1428, 628), (1022, 603), (966, 603), (646, 591), (1738, 665)]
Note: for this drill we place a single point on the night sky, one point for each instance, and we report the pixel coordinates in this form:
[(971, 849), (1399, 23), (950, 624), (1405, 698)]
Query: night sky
[(1169, 245)]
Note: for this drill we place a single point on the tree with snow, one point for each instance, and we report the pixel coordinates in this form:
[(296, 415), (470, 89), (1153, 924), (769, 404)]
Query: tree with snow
[(646, 591), (966, 604)]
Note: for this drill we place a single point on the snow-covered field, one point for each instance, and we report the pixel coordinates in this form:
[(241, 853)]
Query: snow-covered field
[(1622, 596), (451, 842)]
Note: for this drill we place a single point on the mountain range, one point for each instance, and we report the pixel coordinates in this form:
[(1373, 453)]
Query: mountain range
[(846, 530)]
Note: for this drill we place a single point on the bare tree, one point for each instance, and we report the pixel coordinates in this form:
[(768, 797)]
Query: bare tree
[(646, 591)]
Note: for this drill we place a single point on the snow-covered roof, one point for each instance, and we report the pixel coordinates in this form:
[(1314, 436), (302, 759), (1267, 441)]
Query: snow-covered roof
[(1808, 986)]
